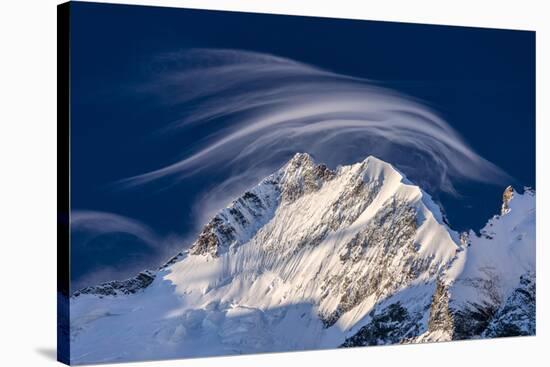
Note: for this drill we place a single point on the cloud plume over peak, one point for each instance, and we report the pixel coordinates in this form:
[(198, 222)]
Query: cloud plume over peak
[(260, 109)]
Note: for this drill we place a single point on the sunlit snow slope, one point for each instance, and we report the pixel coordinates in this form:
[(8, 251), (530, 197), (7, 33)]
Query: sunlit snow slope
[(313, 258)]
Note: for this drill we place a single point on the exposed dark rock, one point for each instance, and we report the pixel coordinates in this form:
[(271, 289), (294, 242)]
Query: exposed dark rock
[(440, 316), (323, 172), (302, 176), (473, 318), (255, 205), (221, 232), (491, 318), (118, 287), (208, 241), (392, 325), (172, 260), (517, 315)]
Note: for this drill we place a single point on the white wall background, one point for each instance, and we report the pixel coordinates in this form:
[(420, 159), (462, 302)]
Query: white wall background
[(28, 180)]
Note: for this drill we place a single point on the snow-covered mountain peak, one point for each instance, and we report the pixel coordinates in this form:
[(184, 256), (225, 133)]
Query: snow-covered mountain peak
[(326, 228), (371, 168), (354, 186), (317, 258), (375, 168), (301, 176), (300, 160)]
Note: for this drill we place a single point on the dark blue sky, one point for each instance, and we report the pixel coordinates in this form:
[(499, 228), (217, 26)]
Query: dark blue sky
[(481, 81)]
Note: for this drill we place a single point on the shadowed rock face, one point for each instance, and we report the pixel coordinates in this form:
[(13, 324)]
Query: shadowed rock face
[(472, 320), (392, 325), (118, 287), (517, 315)]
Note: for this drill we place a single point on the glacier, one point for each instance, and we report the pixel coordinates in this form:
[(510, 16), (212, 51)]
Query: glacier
[(314, 258)]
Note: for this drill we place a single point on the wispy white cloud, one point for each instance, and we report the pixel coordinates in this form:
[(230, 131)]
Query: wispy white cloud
[(261, 109), (87, 226), (94, 223)]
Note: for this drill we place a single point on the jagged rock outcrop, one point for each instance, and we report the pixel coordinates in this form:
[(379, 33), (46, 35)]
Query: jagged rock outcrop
[(506, 197), (441, 319), (120, 287)]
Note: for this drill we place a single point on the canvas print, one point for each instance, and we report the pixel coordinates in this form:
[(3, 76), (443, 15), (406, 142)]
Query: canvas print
[(236, 183)]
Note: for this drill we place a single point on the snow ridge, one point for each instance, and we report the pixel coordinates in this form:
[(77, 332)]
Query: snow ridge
[(313, 258)]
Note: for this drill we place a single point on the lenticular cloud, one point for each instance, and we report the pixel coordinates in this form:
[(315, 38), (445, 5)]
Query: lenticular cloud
[(260, 109)]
